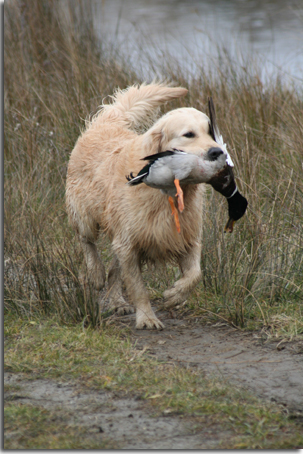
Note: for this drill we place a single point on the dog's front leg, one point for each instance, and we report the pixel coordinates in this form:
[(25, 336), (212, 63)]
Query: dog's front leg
[(132, 278), (191, 274)]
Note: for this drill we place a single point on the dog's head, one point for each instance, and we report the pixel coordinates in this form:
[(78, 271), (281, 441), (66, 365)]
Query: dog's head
[(185, 129), (190, 130)]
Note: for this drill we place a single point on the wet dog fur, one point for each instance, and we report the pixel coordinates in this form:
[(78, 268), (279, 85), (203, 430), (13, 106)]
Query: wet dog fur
[(137, 219)]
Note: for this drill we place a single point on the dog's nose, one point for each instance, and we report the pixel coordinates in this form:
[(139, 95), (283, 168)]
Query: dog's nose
[(213, 153)]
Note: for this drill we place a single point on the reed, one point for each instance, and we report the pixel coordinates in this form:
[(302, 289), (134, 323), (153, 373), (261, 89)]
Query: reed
[(57, 73)]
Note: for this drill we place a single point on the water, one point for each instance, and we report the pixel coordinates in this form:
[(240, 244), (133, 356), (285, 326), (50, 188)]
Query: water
[(268, 31)]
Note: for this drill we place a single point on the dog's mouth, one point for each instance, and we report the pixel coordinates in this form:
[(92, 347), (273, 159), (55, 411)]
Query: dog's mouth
[(224, 182)]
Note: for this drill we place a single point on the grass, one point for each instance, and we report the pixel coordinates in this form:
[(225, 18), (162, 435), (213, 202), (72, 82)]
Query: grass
[(249, 278), (31, 427), (105, 359)]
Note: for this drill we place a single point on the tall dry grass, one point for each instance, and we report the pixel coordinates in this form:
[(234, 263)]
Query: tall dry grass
[(56, 72)]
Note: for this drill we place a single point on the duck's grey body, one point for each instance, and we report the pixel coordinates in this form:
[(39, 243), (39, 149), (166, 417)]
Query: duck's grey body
[(166, 167)]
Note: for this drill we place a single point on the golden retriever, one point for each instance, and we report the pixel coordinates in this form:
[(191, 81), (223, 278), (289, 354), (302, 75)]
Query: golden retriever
[(137, 219)]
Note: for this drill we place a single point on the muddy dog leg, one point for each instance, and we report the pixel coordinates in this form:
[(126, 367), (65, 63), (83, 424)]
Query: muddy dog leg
[(132, 278), (116, 301), (191, 274), (95, 268)]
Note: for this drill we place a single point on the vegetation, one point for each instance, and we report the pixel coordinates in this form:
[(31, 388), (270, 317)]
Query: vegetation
[(107, 360), (56, 74), (30, 427)]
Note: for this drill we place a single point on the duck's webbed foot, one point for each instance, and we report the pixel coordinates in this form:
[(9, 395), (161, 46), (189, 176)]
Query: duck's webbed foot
[(174, 212), (179, 195)]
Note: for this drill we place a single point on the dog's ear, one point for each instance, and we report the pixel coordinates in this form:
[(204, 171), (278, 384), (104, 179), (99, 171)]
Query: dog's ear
[(153, 141)]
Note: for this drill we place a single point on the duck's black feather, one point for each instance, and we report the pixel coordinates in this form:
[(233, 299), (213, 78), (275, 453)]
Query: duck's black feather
[(133, 181), (213, 128), (153, 157), (130, 176)]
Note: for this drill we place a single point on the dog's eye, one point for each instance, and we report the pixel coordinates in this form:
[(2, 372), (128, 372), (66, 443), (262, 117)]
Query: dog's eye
[(189, 135)]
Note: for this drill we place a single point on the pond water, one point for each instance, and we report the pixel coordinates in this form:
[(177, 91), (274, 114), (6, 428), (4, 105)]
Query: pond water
[(269, 32)]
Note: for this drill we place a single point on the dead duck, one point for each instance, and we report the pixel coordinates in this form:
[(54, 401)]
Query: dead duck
[(165, 171)]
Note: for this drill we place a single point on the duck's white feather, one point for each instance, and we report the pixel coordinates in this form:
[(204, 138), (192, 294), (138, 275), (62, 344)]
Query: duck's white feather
[(220, 142), (217, 136)]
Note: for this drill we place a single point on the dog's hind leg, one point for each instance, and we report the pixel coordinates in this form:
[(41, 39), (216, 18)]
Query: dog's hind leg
[(137, 293), (95, 268), (115, 283), (191, 274)]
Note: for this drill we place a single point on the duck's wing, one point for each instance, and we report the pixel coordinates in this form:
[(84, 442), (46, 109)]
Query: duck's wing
[(215, 132), (133, 181), (154, 157), (162, 168)]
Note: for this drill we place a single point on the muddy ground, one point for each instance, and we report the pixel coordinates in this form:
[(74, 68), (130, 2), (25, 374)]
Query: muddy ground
[(270, 370), (126, 422)]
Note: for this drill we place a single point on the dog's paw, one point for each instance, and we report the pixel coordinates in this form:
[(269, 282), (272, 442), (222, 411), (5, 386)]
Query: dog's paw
[(172, 297), (147, 320), (120, 306)]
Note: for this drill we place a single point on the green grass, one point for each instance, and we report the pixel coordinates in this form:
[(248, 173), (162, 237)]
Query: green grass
[(105, 359)]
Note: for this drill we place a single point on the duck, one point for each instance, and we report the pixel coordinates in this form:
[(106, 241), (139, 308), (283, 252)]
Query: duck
[(165, 170)]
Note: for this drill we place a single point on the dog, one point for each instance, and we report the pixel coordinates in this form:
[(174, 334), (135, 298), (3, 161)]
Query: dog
[(137, 219)]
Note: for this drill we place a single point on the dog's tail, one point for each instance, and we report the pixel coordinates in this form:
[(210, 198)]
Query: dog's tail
[(134, 106)]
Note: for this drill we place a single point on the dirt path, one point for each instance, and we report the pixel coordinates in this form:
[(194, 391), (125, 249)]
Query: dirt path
[(125, 421), (243, 359)]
